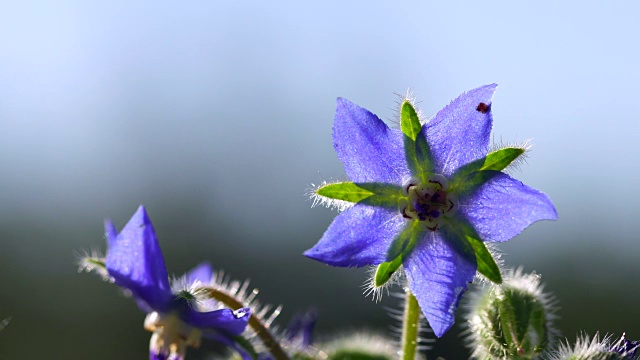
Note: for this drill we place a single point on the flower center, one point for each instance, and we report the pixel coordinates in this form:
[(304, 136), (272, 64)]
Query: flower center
[(428, 202), (171, 336)]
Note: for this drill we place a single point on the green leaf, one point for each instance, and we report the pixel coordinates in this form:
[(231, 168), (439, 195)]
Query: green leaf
[(474, 174), (409, 121), (386, 270), (416, 148), (487, 265), (375, 194)]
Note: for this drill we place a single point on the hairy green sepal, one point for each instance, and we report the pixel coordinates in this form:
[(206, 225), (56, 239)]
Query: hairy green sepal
[(97, 262), (487, 265), (472, 175), (416, 148), (409, 121), (385, 271), (376, 194), (399, 250), (521, 315)]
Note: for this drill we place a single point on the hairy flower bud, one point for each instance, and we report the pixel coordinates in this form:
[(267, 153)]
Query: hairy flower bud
[(511, 320)]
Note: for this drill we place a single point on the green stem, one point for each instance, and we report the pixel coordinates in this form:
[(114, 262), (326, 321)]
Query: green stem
[(260, 329), (411, 327)]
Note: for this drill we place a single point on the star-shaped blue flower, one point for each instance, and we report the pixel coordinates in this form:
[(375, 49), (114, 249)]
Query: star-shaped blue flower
[(176, 316), (426, 197)]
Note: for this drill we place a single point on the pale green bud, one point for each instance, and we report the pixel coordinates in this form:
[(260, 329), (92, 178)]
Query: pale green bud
[(511, 320)]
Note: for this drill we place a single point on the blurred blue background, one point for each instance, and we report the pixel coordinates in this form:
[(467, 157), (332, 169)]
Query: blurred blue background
[(217, 116)]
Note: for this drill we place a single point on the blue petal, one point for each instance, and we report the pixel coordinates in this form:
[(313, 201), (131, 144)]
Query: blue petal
[(300, 328), (369, 150), (154, 356), (460, 132), (110, 233), (503, 207), (438, 276), (202, 273), (358, 236), (135, 261), (226, 320)]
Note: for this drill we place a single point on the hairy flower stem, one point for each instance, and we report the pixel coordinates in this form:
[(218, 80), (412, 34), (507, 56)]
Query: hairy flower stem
[(261, 330), (411, 327)]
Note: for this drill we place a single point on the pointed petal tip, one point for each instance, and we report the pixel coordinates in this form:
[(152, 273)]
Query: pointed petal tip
[(439, 329), (202, 273), (313, 254), (342, 103), (142, 212), (485, 91)]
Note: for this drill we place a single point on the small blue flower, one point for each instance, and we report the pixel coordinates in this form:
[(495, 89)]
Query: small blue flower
[(425, 197), (177, 316)]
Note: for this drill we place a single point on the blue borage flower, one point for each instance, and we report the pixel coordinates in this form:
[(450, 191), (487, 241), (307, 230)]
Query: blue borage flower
[(179, 316), (425, 198)]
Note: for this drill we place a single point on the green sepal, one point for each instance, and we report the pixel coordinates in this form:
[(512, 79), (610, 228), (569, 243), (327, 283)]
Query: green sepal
[(385, 271), (399, 250), (404, 243), (474, 174), (487, 265), (520, 316), (376, 194), (496, 160), (409, 121), (97, 262), (416, 148), (346, 191)]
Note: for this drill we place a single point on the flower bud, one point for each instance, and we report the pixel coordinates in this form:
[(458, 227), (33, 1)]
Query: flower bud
[(511, 320)]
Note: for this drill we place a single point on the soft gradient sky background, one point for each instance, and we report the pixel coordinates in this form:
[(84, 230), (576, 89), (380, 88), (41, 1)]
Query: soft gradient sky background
[(217, 116)]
